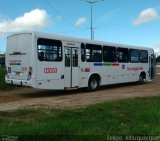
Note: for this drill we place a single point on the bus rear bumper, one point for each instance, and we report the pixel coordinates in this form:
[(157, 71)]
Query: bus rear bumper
[(20, 82)]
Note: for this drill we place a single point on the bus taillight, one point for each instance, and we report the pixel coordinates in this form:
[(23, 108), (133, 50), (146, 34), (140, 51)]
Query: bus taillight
[(29, 73)]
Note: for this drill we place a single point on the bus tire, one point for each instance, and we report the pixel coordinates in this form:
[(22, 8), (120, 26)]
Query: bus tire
[(142, 78), (93, 83)]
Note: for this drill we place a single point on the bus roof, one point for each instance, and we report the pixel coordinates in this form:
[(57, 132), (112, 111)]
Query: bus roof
[(80, 40)]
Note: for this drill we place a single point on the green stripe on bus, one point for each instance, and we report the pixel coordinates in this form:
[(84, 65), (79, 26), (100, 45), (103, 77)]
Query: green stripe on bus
[(107, 64)]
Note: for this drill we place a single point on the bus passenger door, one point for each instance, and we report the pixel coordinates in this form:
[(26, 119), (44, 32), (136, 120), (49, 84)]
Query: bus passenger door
[(152, 66), (71, 67)]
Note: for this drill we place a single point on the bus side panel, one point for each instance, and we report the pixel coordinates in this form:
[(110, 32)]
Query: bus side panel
[(114, 73), (88, 69), (110, 73), (49, 72), (50, 75), (85, 70)]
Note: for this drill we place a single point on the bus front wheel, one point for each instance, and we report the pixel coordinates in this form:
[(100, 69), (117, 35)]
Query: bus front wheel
[(93, 83), (142, 78)]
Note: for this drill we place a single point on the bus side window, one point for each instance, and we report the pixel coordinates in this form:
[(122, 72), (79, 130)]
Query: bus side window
[(109, 54), (49, 50), (93, 53), (122, 55), (143, 56), (41, 56), (134, 55)]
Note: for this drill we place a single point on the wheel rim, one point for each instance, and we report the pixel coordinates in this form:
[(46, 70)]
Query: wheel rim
[(93, 84)]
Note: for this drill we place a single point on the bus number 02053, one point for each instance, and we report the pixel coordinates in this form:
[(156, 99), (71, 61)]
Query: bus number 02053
[(50, 70)]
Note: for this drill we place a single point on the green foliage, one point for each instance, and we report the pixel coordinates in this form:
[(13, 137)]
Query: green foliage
[(3, 85), (138, 116), (158, 59)]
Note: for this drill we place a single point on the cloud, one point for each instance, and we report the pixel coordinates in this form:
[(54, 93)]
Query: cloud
[(33, 20), (157, 49), (80, 21), (146, 16)]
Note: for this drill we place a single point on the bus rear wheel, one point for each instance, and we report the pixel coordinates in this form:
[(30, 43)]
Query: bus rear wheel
[(93, 83)]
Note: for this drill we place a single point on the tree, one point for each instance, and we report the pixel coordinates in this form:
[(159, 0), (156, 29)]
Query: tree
[(158, 59)]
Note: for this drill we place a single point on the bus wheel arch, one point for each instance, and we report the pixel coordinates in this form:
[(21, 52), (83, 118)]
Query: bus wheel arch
[(94, 82), (142, 77)]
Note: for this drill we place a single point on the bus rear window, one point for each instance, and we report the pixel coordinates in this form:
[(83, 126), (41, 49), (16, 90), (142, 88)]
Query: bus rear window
[(49, 50)]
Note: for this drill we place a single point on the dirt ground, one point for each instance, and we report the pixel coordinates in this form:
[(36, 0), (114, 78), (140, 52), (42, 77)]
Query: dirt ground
[(34, 98)]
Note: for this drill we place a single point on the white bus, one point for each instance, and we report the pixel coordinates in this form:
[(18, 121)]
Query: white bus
[(55, 62)]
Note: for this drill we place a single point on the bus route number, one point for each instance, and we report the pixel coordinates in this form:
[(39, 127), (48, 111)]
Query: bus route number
[(50, 70)]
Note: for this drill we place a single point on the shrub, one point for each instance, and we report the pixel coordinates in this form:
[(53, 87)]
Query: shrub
[(3, 84)]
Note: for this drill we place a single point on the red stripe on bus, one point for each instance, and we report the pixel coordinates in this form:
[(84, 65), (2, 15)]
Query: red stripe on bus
[(115, 64)]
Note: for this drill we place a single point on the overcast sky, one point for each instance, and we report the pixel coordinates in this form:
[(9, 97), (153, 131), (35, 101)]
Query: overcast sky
[(134, 22)]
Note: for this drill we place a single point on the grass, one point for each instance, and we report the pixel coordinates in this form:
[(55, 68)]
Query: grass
[(140, 116)]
